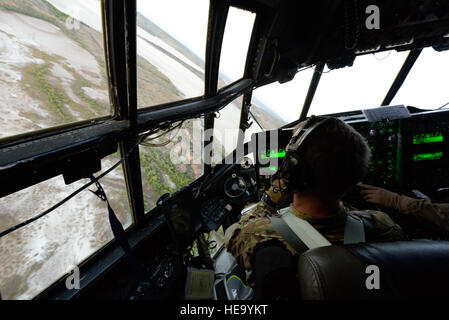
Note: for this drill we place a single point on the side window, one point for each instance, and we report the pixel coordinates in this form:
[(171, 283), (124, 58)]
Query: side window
[(171, 162), (171, 45), (237, 36), (35, 256), (52, 65)]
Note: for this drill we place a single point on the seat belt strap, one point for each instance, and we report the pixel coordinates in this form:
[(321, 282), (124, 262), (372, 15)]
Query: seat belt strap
[(304, 230), (298, 233), (281, 227), (354, 229)]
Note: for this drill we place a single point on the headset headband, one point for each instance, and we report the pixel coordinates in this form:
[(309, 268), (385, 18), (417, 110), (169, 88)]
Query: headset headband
[(302, 133)]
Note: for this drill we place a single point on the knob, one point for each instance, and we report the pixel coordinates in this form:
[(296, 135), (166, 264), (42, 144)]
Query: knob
[(392, 138)]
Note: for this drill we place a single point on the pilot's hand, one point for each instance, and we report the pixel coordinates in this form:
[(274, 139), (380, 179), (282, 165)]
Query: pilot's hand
[(385, 197), (378, 195)]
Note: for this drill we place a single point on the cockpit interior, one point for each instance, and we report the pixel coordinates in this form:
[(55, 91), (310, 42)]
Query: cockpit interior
[(155, 224)]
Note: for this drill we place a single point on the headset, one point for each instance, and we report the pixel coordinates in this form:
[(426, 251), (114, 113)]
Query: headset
[(294, 171)]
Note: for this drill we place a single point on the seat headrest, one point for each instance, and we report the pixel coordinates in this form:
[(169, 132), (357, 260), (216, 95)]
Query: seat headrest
[(396, 270)]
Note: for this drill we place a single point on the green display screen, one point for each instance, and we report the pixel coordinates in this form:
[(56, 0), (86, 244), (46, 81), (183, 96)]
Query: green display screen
[(268, 170), (428, 138), (428, 156), (269, 154)]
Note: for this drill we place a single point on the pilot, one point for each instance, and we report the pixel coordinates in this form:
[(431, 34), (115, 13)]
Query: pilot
[(435, 213), (334, 159)]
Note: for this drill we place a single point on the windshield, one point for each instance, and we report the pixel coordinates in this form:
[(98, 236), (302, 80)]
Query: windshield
[(427, 85), (362, 86)]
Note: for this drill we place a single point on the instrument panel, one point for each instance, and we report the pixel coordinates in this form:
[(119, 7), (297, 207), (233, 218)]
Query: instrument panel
[(384, 139), (410, 153)]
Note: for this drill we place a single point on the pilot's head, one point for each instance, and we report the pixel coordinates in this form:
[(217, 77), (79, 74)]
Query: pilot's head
[(336, 158)]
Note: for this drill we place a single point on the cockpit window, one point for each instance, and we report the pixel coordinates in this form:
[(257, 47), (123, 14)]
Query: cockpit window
[(362, 86), (35, 256), (237, 36), (52, 65), (171, 45), (426, 86), (171, 162), (276, 104), (226, 131)]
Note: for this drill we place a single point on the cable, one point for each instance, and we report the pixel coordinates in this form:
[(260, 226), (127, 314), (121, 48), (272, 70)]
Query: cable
[(178, 126), (23, 224), (57, 205), (443, 106)]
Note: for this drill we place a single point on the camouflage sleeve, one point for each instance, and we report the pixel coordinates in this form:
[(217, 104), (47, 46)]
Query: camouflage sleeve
[(384, 229), (255, 231), (435, 213), (262, 209)]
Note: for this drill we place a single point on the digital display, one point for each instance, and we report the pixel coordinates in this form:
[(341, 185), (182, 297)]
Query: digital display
[(269, 171), (428, 156), (428, 138), (270, 154)]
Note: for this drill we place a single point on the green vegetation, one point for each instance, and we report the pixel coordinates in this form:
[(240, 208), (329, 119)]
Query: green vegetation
[(158, 170), (37, 81), (36, 76), (100, 108), (155, 165), (153, 87)]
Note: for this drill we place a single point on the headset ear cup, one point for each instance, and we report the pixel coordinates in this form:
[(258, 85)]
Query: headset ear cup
[(291, 171), (288, 166), (294, 170), (291, 166)]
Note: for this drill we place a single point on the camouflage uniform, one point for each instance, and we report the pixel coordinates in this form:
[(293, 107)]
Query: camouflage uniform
[(254, 228), (436, 213)]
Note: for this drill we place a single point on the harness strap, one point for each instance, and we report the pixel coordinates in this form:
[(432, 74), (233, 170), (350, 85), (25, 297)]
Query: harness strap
[(301, 235), (354, 229), (298, 233), (281, 227)]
